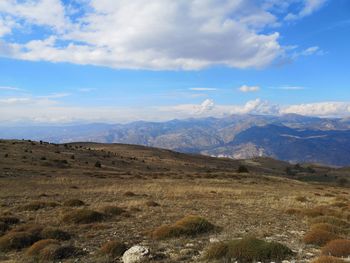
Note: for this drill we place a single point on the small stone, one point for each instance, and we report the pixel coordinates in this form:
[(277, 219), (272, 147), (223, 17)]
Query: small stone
[(136, 254), (214, 240)]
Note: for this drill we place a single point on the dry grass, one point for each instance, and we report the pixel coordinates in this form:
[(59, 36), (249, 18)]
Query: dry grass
[(337, 248), (319, 237), (9, 220), (82, 216), (113, 248), (327, 259), (248, 249), (187, 226), (55, 252), (302, 199)]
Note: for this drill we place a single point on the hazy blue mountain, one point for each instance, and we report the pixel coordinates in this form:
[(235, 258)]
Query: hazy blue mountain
[(289, 137)]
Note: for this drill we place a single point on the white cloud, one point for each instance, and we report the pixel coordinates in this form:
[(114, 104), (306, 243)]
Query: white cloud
[(323, 109), (41, 109), (157, 34), (246, 88)]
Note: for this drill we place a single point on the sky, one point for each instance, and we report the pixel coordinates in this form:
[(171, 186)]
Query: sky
[(68, 61)]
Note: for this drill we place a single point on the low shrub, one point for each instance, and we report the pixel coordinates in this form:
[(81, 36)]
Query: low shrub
[(112, 210), (302, 199), (187, 226), (151, 204), (9, 220), (82, 216), (3, 227), (57, 252), (17, 240), (34, 206), (113, 248), (329, 228), (248, 249), (337, 248), (54, 233), (319, 237), (331, 220), (242, 169), (73, 203), (34, 250), (327, 259)]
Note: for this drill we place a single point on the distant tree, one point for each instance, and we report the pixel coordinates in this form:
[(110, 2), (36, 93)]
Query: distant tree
[(242, 169)]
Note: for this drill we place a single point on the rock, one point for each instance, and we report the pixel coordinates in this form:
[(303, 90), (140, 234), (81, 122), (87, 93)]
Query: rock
[(136, 254), (214, 240)]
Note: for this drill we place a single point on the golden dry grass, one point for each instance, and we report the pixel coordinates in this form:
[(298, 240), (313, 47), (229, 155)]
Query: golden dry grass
[(337, 248)]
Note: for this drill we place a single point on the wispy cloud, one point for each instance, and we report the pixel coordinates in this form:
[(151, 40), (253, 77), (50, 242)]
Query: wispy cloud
[(8, 88), (203, 89), (247, 89)]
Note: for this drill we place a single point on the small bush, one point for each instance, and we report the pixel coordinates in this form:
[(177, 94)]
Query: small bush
[(113, 249), (98, 164), (17, 240), (331, 220), (293, 211), (129, 194), (54, 233), (3, 227), (112, 210), (242, 169), (74, 203), (248, 249), (83, 216), (321, 211), (302, 199), (35, 249), (151, 204), (34, 206), (319, 237), (327, 259), (9, 220), (187, 226), (57, 252), (337, 248), (329, 228)]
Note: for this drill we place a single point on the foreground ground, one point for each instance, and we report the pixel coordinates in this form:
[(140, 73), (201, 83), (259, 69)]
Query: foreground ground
[(36, 189)]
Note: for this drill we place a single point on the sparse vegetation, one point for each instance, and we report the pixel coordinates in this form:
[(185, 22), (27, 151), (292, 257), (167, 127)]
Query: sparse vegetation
[(17, 240), (242, 169), (331, 220), (248, 249)]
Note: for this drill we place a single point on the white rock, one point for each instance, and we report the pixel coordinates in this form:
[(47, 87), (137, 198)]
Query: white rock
[(136, 254)]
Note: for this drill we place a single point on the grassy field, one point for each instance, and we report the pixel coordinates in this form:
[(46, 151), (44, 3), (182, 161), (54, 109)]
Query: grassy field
[(90, 202)]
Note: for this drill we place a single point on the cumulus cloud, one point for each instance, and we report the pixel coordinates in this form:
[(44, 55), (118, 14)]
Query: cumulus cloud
[(156, 34), (246, 88), (46, 109)]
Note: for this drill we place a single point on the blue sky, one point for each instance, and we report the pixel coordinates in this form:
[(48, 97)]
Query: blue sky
[(120, 61)]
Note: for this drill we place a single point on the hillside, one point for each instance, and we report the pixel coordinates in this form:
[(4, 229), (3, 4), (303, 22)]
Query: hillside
[(88, 202)]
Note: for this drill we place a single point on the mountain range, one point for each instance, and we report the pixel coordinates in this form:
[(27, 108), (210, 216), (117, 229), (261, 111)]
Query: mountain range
[(292, 138)]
